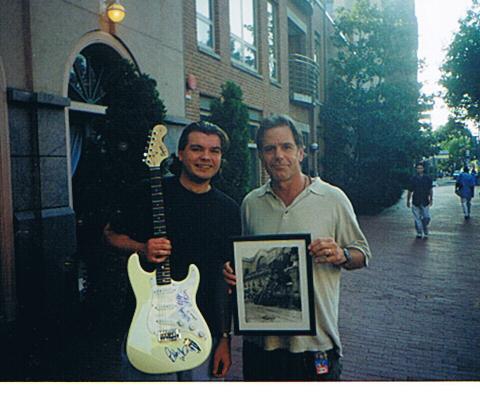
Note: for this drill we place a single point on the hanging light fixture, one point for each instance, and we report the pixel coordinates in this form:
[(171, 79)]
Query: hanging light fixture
[(116, 12)]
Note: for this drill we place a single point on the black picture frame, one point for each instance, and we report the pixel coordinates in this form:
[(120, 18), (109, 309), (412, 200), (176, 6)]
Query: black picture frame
[(274, 291)]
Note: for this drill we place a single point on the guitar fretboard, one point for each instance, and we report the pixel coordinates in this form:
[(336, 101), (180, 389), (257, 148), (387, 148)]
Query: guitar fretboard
[(163, 275)]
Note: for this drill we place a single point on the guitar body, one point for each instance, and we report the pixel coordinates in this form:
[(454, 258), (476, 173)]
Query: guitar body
[(167, 333)]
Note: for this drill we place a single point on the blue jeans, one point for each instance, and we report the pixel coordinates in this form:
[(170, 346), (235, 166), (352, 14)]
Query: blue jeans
[(466, 205), (422, 218), (201, 373)]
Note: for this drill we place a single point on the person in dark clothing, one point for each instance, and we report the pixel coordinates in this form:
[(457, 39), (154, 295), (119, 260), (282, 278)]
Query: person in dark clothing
[(199, 222), (421, 187), (465, 187)]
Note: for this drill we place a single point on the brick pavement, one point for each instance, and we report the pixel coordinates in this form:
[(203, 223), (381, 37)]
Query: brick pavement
[(414, 313)]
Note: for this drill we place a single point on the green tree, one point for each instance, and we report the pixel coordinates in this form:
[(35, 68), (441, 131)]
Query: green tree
[(458, 140), (372, 116), (461, 72), (134, 108), (231, 114), (112, 159)]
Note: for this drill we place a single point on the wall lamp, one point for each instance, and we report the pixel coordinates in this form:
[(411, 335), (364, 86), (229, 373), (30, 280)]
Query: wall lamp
[(114, 11)]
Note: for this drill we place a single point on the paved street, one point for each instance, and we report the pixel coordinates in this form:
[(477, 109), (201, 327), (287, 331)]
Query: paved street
[(414, 313)]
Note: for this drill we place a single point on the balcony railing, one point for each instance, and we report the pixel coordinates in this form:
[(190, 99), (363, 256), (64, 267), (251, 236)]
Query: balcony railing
[(304, 79)]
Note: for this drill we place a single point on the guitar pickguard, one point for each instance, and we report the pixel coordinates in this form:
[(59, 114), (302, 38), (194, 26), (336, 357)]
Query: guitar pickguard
[(172, 308), (168, 332)]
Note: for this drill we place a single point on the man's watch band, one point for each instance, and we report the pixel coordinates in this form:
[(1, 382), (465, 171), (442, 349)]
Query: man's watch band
[(348, 256)]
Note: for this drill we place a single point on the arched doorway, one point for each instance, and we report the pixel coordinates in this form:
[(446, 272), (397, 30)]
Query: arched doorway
[(113, 108), (89, 165)]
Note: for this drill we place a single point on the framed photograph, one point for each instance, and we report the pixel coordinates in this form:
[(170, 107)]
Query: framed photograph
[(274, 292)]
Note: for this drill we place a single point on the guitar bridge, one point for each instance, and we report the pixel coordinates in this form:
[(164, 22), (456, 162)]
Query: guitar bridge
[(168, 335)]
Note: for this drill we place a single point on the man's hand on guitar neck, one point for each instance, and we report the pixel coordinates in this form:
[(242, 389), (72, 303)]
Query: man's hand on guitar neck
[(157, 250)]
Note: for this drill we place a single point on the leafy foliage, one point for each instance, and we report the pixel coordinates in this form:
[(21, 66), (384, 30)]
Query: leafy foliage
[(112, 157), (373, 134), (455, 137), (461, 72), (134, 108), (231, 114)]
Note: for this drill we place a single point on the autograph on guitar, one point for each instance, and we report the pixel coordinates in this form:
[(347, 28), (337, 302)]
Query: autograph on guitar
[(167, 333)]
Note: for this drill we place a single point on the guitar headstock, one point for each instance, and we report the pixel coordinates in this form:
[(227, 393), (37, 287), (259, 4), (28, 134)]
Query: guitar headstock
[(156, 149)]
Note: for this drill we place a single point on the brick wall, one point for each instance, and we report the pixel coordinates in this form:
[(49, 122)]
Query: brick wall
[(211, 71)]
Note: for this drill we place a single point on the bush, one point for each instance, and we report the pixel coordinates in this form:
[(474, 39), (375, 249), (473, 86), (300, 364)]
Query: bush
[(231, 114)]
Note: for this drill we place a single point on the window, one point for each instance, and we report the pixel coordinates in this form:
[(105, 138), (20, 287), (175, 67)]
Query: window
[(297, 34), (243, 41), (318, 59), (205, 31), (255, 117), (272, 25), (205, 107)]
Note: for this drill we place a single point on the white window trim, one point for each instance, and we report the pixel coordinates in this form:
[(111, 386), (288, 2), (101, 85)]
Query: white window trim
[(276, 43), (208, 21), (244, 43)]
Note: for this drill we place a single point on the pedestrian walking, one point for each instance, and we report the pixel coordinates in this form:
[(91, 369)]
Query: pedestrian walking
[(420, 197), (465, 187)]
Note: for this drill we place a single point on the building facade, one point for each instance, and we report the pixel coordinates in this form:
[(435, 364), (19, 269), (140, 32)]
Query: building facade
[(53, 58), (48, 49)]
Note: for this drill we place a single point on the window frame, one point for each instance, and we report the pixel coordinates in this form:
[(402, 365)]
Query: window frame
[(243, 43), (276, 41), (209, 21)]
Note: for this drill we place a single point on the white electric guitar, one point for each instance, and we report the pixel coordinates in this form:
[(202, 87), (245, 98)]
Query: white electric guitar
[(168, 333)]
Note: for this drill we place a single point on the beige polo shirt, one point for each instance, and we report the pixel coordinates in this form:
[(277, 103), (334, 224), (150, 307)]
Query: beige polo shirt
[(322, 210)]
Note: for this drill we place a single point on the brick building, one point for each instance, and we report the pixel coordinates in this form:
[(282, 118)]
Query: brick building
[(276, 51), (54, 56)]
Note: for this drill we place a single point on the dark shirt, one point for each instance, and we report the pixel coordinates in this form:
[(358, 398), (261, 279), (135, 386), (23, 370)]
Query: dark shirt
[(199, 227), (420, 185)]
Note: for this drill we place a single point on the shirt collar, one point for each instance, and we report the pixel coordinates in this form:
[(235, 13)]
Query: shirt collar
[(317, 186)]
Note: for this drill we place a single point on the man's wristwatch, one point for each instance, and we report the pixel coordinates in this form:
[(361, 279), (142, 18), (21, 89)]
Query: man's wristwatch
[(348, 257)]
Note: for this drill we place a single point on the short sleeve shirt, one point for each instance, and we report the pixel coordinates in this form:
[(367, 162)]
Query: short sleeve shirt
[(421, 187), (322, 210)]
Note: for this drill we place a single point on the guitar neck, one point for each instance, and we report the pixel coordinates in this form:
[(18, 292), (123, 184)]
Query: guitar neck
[(163, 271)]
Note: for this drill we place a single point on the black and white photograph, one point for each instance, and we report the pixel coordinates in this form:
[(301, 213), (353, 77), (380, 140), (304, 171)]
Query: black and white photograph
[(274, 288)]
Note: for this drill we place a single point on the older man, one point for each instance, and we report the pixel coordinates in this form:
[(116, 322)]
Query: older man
[(292, 202)]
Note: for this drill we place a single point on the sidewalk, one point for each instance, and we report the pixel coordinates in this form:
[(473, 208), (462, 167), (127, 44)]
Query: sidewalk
[(414, 312)]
